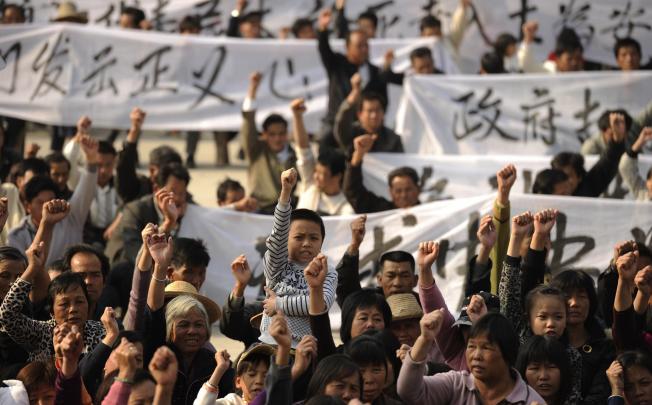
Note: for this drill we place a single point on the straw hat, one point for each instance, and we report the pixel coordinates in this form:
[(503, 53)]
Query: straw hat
[(404, 306), (255, 348), (256, 320), (176, 288), (67, 12)]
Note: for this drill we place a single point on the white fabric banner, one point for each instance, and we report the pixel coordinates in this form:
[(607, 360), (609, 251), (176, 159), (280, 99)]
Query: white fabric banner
[(57, 73), (584, 236), (455, 176), (507, 114), (598, 22)]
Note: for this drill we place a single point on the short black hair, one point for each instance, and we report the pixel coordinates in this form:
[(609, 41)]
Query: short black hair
[(57, 265), (504, 41), (492, 63), (546, 181), (11, 253), (71, 251), (396, 256), (274, 119), (163, 155), (35, 185), (190, 23), (369, 15), (500, 331), (365, 350), (333, 159), (362, 299), (370, 96), (403, 171), (226, 186), (390, 344), (56, 157), (132, 336), (429, 21), (546, 349), (190, 253), (172, 170), (34, 165), (137, 14), (627, 42), (569, 159), (603, 121), (572, 280), (106, 148), (309, 215), (420, 52), (635, 358), (331, 368), (299, 24), (63, 283), (351, 33), (568, 42)]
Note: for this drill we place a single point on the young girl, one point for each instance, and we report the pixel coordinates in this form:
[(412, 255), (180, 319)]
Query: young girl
[(543, 363)]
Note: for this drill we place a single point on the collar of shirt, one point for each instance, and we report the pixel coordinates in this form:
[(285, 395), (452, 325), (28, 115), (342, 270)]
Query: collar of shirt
[(519, 395), (284, 154)]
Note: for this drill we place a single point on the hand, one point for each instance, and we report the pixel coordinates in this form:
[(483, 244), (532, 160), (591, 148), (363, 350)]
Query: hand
[(362, 144), (616, 377), (4, 212), (241, 5), (643, 281), (246, 204), (544, 221), (35, 258), (127, 357), (358, 230), (324, 19), (223, 359), (298, 106), (31, 150), (627, 266), (506, 179), (522, 224), (339, 4), (356, 83), (430, 324), (466, 3), (402, 351), (137, 118), (83, 126), (160, 248), (617, 125), (284, 32), (71, 347), (315, 272), (530, 29), (624, 247), (280, 331), (165, 202), (269, 303), (58, 334), (54, 211), (644, 137), (241, 271), (487, 234), (110, 326), (388, 59), (477, 308), (427, 254), (163, 367), (305, 352), (254, 82), (289, 179), (149, 231), (90, 147)]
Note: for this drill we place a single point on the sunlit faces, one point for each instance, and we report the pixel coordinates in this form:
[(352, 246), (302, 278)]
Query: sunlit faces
[(276, 136), (371, 115), (573, 178), (548, 316), (304, 240), (570, 61), (404, 192), (59, 173), (628, 58), (346, 388), (396, 278), (325, 181), (485, 360), (366, 319), (357, 50), (195, 275), (10, 270), (638, 386), (578, 307), (190, 333), (545, 378), (374, 379), (89, 266), (179, 188), (252, 381), (71, 307), (423, 66), (251, 28)]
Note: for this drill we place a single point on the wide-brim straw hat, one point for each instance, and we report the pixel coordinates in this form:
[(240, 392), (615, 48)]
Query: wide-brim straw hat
[(255, 348), (176, 288), (404, 306), (256, 320), (67, 12)]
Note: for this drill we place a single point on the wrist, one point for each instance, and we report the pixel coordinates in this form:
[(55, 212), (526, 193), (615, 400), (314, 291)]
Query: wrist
[(282, 355), (284, 198), (353, 249), (238, 290), (126, 375), (356, 158), (110, 339)]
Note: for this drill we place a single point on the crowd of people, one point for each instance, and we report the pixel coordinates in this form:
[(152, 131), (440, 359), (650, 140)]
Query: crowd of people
[(101, 299)]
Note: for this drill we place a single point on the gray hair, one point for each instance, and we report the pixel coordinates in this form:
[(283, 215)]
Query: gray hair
[(179, 308)]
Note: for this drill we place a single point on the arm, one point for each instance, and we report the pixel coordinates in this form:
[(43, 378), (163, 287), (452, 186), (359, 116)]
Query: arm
[(316, 274), (82, 197), (160, 247), (305, 158), (459, 23), (126, 178), (68, 382), (92, 365), (72, 151), (328, 57), (534, 264), (210, 390), (346, 115), (248, 133), (506, 178), (341, 24), (628, 166), (118, 394), (348, 269), (278, 384), (525, 56), (479, 278), (361, 199), (643, 282), (140, 282), (276, 257)]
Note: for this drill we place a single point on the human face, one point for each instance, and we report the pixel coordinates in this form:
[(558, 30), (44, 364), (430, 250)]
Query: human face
[(374, 378), (578, 307), (548, 316), (59, 173), (563, 188), (638, 386), (325, 181), (485, 360), (35, 206), (423, 66), (431, 32), (127, 21), (142, 394), (570, 61), (648, 185), (194, 275), (396, 278), (510, 50), (10, 270), (276, 136), (233, 196), (304, 241), (366, 319), (71, 307), (105, 167), (367, 26), (306, 32), (573, 178), (545, 378), (90, 267), (357, 52), (12, 16), (42, 395), (179, 188), (371, 116), (404, 192), (252, 382), (346, 389), (190, 333), (628, 58), (251, 29), (406, 331)]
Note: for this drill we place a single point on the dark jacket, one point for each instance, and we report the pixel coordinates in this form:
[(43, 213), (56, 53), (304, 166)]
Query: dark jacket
[(128, 183), (361, 199), (126, 240), (598, 178), (235, 324)]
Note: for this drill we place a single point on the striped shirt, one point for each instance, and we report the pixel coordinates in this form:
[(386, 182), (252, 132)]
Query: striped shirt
[(286, 279)]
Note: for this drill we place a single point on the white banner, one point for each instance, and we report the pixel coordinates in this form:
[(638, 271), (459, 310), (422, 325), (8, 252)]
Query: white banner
[(507, 114), (57, 73), (584, 236), (460, 176), (598, 22)]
